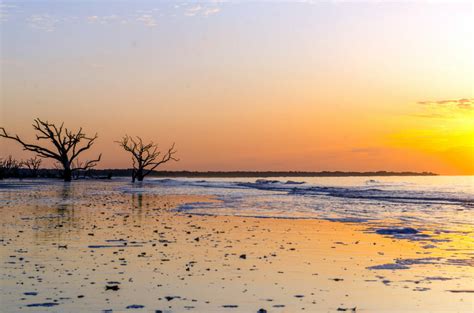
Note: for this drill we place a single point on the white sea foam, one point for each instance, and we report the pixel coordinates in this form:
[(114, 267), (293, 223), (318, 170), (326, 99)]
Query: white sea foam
[(384, 203)]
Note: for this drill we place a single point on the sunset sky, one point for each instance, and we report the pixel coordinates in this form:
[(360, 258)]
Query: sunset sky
[(246, 85)]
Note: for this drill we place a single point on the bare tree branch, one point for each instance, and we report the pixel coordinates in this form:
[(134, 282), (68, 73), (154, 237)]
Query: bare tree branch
[(43, 152), (33, 165), (169, 155), (9, 167), (87, 165)]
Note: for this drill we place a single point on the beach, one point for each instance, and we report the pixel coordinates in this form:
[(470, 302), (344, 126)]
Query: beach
[(236, 156), (97, 247)]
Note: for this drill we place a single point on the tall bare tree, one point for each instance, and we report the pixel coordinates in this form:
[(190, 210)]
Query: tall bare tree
[(145, 157), (67, 144), (33, 165)]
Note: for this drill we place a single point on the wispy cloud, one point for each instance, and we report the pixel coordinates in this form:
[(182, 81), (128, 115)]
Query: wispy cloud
[(147, 19), (49, 23), (105, 19), (445, 109), (5, 11), (44, 22), (193, 11), (144, 17), (464, 103), (200, 10), (211, 11), (429, 115)]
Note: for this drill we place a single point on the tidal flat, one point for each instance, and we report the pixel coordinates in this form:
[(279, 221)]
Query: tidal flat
[(110, 246)]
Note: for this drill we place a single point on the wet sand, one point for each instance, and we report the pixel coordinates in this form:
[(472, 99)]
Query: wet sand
[(86, 248)]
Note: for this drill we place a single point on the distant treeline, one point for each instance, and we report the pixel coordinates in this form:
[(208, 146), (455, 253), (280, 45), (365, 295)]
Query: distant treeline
[(282, 174), (127, 172), (54, 173), (109, 173)]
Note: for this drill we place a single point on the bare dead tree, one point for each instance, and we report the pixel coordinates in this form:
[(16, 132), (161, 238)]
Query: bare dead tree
[(67, 144), (33, 165), (9, 167), (145, 157)]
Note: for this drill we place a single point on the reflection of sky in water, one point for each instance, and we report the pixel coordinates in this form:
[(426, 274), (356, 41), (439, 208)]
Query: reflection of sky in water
[(416, 201)]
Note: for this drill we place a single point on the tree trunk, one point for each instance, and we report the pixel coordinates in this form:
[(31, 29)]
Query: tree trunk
[(67, 173), (139, 174)]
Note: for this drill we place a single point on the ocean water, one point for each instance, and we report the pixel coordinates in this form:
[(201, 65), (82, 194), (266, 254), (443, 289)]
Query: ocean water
[(435, 202)]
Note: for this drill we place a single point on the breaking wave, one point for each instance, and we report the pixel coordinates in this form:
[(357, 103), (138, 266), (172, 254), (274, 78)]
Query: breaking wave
[(379, 193)]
